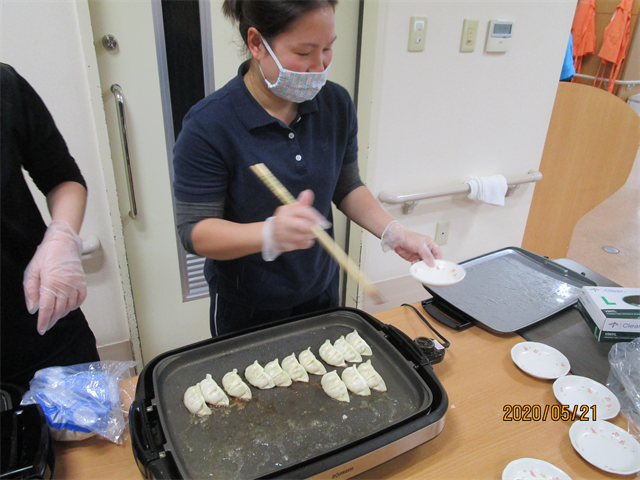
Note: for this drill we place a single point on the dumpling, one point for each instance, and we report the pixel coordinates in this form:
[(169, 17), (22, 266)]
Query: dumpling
[(279, 376), (332, 356), (194, 401), (257, 377), (334, 387), (356, 341), (212, 393), (373, 378), (355, 382), (235, 387), (294, 369), (348, 352), (310, 363)]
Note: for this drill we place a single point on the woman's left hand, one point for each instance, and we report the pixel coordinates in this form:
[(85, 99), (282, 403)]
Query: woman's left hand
[(411, 246), (54, 281)]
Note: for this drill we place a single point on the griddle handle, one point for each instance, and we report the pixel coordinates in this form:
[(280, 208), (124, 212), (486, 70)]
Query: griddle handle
[(144, 448), (551, 265), (442, 317), (406, 346)]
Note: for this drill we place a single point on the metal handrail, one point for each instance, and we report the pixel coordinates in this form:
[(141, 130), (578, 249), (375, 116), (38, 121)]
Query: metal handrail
[(119, 97), (629, 83), (410, 200)]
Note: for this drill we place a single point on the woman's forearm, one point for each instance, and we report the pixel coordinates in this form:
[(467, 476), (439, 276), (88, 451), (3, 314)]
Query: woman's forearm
[(67, 202), (361, 207), (224, 240)]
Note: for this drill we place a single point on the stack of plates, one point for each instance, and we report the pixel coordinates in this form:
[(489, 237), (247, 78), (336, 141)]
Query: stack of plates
[(602, 444)]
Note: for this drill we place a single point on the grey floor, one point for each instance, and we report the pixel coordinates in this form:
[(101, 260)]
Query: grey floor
[(615, 223)]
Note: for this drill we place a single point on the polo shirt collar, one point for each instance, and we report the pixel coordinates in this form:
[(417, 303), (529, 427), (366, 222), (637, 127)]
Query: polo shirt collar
[(251, 113)]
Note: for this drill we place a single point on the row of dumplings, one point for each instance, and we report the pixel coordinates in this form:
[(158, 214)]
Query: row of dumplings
[(346, 349), (350, 348), (359, 380)]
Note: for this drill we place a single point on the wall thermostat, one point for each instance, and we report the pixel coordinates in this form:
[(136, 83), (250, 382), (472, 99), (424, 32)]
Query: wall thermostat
[(499, 36)]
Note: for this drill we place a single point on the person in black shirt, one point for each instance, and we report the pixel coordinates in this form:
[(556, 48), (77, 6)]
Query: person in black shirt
[(42, 276)]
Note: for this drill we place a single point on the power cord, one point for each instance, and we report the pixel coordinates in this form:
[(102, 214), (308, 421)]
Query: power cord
[(432, 349), (445, 342)]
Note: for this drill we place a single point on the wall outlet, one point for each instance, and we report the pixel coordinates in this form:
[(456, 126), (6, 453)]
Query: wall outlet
[(442, 233)]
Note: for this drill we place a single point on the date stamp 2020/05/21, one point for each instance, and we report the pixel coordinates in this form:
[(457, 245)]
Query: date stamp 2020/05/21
[(536, 413)]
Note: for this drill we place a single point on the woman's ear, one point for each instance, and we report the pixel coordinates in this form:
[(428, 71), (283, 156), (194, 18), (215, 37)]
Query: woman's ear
[(254, 42)]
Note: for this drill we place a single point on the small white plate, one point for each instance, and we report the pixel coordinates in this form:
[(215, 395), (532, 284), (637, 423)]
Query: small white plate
[(573, 391), (530, 468), (443, 274), (540, 360), (606, 446)]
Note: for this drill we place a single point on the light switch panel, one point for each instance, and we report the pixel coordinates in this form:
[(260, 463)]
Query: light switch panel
[(469, 35), (417, 33)]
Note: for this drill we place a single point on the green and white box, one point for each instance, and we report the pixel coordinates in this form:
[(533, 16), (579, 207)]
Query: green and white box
[(613, 314)]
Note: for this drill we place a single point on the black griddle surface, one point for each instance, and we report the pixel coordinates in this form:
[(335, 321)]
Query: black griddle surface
[(280, 427)]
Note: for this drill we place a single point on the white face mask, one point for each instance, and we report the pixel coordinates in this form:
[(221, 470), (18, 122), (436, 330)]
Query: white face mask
[(295, 86)]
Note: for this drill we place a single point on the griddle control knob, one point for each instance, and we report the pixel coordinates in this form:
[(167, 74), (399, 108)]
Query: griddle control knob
[(431, 348)]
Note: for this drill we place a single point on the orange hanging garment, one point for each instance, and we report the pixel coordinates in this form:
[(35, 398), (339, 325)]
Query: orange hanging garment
[(615, 42), (583, 31)]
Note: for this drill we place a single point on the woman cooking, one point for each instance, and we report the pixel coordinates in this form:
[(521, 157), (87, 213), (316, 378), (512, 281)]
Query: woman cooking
[(262, 262)]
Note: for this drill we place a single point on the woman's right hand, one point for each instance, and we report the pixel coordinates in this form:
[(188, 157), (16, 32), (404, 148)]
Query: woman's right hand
[(292, 224), (290, 227)]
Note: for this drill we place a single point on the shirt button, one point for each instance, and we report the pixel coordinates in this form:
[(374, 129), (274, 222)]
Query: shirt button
[(298, 157), (291, 135)]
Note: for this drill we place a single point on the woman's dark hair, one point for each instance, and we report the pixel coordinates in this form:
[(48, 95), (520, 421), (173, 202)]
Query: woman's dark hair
[(269, 17)]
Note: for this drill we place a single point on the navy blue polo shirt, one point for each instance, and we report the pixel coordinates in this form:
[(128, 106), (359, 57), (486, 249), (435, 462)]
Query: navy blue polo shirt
[(225, 134)]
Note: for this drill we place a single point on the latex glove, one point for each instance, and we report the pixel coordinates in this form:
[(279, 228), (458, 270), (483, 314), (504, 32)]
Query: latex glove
[(290, 227), (54, 281), (410, 245)]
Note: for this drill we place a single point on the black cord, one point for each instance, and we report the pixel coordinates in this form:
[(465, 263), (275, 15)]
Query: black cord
[(445, 343)]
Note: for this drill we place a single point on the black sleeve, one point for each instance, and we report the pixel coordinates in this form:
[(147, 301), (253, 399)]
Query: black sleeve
[(45, 155), (348, 181)]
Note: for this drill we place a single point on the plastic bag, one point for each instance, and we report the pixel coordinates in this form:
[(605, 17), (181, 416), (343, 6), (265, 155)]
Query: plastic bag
[(624, 381), (81, 400)]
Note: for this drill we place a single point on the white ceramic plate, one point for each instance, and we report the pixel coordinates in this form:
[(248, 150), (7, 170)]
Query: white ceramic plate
[(530, 468), (606, 446), (540, 360), (573, 391), (443, 274)]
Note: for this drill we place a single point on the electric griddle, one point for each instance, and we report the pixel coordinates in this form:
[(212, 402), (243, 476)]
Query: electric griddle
[(293, 432)]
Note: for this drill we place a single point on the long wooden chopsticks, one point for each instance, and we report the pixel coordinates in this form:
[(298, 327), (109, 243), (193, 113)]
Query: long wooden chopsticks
[(329, 244)]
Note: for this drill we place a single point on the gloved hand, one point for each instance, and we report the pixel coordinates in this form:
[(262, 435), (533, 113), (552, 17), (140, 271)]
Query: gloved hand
[(54, 281), (290, 227), (410, 245)]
